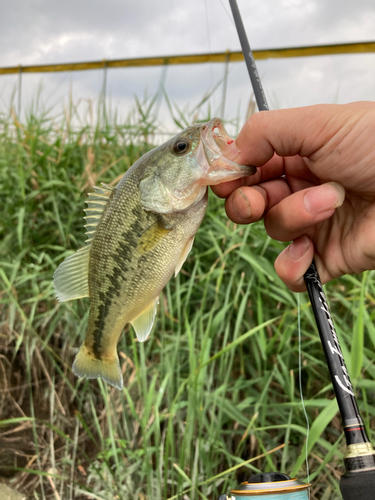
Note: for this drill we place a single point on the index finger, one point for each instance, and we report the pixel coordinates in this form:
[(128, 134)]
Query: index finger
[(289, 132)]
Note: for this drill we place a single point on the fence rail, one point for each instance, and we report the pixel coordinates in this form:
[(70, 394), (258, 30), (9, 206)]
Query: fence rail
[(219, 57)]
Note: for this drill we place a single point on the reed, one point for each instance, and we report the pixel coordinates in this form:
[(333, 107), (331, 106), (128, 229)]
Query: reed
[(217, 382)]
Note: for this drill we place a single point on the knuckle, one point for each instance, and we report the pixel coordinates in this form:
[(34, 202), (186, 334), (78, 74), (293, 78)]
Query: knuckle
[(256, 121)]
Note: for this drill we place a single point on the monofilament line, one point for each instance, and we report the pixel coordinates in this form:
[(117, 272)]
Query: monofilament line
[(209, 42), (300, 385)]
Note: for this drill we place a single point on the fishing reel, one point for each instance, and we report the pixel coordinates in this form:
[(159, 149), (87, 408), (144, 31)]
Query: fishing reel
[(270, 486)]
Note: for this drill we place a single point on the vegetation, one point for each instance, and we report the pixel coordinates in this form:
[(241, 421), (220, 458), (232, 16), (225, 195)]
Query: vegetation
[(217, 384)]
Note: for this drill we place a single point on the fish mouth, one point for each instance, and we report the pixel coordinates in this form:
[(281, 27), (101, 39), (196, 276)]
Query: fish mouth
[(215, 135), (217, 167)]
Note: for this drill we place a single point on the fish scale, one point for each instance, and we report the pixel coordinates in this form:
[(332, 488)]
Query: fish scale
[(118, 274), (138, 235)]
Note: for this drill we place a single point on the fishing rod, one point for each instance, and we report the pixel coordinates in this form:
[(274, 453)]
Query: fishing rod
[(358, 482)]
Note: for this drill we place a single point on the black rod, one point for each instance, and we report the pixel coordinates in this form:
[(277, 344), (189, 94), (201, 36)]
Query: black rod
[(256, 83), (354, 428), (359, 479)]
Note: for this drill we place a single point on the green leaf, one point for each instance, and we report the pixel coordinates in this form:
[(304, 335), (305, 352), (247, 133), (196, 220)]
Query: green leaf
[(21, 216), (358, 333), (316, 430)]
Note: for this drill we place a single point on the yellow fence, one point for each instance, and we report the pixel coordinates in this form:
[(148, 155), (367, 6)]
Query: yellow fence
[(222, 57)]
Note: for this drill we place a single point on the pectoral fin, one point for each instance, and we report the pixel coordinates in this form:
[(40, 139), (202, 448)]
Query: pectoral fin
[(71, 277), (183, 256), (143, 323), (152, 236)]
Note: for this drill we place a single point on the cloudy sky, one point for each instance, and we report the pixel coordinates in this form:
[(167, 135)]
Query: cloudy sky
[(51, 31)]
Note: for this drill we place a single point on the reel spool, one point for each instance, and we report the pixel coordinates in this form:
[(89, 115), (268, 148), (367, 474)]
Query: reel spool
[(270, 486)]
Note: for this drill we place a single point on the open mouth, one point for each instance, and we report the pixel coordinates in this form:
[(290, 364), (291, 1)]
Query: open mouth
[(215, 136), (218, 168)]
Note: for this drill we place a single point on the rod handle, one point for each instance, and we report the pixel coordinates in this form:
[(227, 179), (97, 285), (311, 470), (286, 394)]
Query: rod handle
[(358, 485)]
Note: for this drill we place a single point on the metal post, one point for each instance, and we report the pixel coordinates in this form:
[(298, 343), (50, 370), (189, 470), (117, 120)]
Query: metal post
[(104, 90), (225, 83), (19, 91)]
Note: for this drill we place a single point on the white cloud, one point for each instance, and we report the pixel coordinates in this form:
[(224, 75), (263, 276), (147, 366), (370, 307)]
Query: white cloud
[(47, 31)]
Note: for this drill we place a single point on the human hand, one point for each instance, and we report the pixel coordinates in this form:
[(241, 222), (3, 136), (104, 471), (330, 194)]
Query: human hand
[(315, 185)]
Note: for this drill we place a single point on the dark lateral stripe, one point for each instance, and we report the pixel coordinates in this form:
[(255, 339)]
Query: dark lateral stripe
[(123, 257)]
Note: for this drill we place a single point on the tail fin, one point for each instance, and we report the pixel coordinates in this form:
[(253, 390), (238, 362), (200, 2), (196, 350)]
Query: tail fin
[(87, 365)]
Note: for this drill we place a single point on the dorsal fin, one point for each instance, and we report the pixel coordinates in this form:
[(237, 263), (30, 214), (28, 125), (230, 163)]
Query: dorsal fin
[(97, 202)]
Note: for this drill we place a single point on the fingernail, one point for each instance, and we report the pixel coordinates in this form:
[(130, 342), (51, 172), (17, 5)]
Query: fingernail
[(325, 197), (240, 205), (231, 152), (299, 247)]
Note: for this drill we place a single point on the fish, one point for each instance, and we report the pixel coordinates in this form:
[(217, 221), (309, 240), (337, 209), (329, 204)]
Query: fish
[(139, 234)]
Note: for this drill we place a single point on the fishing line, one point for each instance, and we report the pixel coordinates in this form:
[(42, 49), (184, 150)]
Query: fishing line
[(300, 385), (227, 13), (209, 45)]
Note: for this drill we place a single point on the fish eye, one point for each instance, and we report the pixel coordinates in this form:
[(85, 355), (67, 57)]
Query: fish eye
[(181, 146)]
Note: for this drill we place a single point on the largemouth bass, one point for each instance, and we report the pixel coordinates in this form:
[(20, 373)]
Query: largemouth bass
[(139, 235)]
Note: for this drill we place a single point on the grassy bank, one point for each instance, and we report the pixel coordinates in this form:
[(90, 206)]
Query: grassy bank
[(214, 386)]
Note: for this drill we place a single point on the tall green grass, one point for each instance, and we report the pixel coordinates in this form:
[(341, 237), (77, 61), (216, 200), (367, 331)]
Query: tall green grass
[(215, 386)]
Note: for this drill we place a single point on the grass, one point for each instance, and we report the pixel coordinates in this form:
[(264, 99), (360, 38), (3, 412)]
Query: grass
[(216, 385)]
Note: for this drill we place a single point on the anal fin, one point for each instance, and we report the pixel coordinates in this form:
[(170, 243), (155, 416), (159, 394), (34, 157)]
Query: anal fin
[(143, 323)]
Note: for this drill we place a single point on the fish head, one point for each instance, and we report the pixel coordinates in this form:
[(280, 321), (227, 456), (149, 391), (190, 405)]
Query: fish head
[(180, 170)]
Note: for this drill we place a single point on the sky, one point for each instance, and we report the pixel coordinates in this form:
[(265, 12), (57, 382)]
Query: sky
[(51, 31)]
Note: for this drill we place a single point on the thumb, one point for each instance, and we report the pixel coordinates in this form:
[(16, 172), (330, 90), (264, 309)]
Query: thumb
[(287, 132)]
